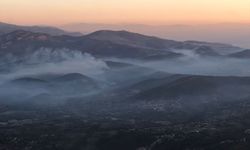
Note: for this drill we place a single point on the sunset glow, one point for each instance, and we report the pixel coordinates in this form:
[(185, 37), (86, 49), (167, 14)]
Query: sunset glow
[(56, 12)]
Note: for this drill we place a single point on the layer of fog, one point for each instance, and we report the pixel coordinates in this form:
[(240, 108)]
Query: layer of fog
[(48, 61), (193, 64), (65, 61), (23, 80)]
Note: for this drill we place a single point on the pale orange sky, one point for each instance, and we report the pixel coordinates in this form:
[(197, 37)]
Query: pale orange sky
[(57, 12)]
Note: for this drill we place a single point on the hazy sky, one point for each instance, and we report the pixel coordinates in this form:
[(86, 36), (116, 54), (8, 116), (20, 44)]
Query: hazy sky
[(55, 12)]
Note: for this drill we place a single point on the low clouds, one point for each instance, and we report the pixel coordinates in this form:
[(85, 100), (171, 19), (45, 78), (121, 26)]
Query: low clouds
[(60, 61)]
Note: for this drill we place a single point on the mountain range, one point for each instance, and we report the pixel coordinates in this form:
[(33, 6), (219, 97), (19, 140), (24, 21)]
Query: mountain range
[(234, 33), (106, 43), (7, 28)]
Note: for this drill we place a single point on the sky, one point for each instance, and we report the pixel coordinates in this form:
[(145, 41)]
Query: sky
[(153, 12)]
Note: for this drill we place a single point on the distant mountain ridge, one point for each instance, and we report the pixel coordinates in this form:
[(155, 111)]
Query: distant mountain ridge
[(241, 54), (218, 32), (105, 43), (7, 28)]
